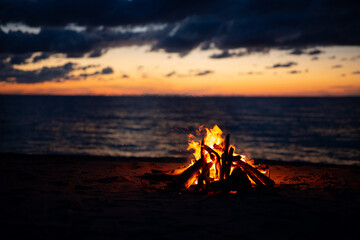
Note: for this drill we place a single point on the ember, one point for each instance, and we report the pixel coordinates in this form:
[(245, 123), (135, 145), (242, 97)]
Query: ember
[(216, 168)]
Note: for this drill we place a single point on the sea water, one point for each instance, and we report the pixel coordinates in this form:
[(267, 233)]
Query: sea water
[(317, 130)]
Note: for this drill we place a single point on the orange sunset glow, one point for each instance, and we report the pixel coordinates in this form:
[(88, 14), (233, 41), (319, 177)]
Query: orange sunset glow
[(138, 71)]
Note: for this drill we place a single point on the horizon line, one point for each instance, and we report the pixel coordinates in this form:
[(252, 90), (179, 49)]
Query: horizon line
[(181, 95)]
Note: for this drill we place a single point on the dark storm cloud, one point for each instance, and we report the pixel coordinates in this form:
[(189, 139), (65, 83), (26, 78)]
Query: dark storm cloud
[(187, 35), (225, 24), (283, 65), (104, 12), (203, 73), (72, 43)]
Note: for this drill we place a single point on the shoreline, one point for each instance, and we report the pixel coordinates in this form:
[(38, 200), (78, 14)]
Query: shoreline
[(57, 197), (74, 157)]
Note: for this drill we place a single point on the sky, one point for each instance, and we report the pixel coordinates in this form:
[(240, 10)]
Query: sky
[(161, 47)]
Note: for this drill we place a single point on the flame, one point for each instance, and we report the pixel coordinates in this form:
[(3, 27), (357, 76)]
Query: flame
[(213, 139), (215, 159)]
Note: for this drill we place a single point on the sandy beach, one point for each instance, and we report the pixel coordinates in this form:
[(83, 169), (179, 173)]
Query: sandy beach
[(59, 197)]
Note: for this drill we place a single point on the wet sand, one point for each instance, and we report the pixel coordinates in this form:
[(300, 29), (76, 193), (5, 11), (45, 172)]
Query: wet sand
[(59, 197)]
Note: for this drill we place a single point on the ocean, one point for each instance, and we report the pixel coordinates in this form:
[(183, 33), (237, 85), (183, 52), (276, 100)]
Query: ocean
[(318, 130)]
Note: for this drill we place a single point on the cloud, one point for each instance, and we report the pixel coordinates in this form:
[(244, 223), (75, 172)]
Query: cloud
[(356, 72), (45, 74), (203, 73), (41, 57), (355, 58), (228, 54), (97, 53), (170, 74), (294, 72), (72, 43), (125, 76), (337, 66), (250, 73), (224, 54), (87, 67), (314, 59), (96, 13), (10, 74), (19, 59), (283, 65), (315, 52), (300, 51), (107, 70), (176, 26)]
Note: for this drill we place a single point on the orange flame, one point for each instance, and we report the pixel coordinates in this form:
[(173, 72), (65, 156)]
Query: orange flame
[(214, 140)]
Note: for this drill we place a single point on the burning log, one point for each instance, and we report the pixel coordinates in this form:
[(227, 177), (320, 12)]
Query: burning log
[(190, 175), (255, 175), (211, 151), (229, 163), (224, 162), (204, 176)]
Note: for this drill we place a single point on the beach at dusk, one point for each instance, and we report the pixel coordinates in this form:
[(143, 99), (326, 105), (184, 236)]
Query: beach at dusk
[(154, 119)]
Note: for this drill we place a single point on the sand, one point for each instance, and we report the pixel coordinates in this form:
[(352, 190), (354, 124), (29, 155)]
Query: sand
[(59, 197)]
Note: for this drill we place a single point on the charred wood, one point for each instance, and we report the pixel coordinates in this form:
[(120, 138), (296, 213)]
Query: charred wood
[(254, 173), (239, 180)]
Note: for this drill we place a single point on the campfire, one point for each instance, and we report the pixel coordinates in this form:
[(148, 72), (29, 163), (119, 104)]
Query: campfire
[(216, 167)]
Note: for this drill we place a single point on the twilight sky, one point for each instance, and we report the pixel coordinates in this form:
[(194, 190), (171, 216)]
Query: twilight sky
[(222, 47)]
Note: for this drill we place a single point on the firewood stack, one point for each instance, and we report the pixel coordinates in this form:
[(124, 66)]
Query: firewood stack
[(234, 174), (216, 168)]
